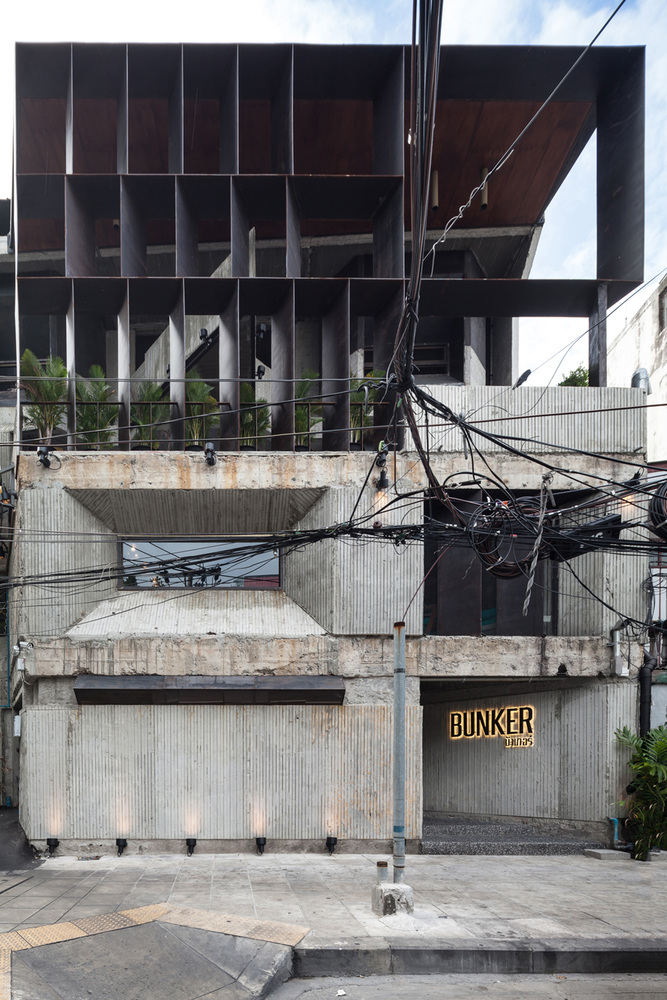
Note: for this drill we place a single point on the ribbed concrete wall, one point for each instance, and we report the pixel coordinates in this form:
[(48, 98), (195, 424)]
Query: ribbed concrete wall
[(574, 771), (215, 772), (606, 427), (357, 587), (55, 534), (618, 578)]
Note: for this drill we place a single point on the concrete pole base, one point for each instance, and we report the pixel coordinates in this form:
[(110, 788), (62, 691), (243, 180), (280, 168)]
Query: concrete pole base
[(392, 897)]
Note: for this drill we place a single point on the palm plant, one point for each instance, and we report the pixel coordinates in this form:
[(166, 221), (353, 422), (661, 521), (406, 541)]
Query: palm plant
[(94, 413), (148, 409), (647, 809), (46, 386), (306, 415), (361, 404), (200, 409), (255, 419)]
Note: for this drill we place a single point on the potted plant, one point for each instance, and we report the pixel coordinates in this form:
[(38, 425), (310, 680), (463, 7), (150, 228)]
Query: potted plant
[(306, 415), (647, 808), (255, 419), (94, 413), (149, 409), (46, 387), (361, 406), (201, 409)]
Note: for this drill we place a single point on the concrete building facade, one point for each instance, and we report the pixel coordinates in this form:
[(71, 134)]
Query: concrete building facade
[(264, 258)]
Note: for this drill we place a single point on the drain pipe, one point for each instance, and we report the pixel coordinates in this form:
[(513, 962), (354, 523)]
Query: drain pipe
[(645, 682), (619, 667)]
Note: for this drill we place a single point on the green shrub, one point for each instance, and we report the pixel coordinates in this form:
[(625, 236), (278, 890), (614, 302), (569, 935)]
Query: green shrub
[(647, 806)]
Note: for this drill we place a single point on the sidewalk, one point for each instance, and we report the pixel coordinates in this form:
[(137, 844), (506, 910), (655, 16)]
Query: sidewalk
[(472, 914)]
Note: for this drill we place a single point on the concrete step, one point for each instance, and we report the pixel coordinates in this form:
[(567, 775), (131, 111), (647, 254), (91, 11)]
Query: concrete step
[(528, 847), (405, 956), (451, 836)]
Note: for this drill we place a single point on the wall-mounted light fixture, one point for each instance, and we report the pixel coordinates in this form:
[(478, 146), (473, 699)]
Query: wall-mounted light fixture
[(52, 843), (261, 844), (205, 337), (261, 372), (43, 456), (261, 331), (484, 193), (382, 481), (121, 844), (209, 452), (331, 844), (191, 843)]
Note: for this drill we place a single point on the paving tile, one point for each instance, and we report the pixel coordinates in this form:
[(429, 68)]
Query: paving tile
[(222, 922), (50, 933), (105, 922), (144, 914), (13, 941), (28, 984), (278, 933)]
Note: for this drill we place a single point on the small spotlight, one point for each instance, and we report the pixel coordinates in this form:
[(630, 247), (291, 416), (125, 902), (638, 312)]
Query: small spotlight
[(52, 843), (205, 337), (121, 844), (382, 481), (191, 843), (261, 372), (331, 844), (261, 331), (209, 452), (261, 844), (43, 456)]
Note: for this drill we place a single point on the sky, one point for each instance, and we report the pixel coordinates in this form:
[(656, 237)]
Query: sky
[(567, 246)]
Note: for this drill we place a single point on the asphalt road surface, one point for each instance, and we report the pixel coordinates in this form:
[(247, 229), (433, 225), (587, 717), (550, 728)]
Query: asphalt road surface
[(478, 987)]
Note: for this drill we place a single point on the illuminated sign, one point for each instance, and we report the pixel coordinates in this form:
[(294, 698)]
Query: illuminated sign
[(513, 723)]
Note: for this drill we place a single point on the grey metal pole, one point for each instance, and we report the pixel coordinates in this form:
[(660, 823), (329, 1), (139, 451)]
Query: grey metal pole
[(399, 751)]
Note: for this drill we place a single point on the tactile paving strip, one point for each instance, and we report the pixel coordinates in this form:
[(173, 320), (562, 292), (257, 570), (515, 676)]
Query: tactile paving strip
[(5, 974), (51, 933), (106, 922)]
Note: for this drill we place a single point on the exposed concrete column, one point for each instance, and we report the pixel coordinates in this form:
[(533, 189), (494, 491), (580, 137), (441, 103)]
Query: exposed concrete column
[(597, 340)]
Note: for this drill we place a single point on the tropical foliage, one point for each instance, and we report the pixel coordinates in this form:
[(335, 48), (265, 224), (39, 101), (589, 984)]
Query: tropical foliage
[(306, 416), (150, 408), (647, 806), (46, 386), (255, 418), (94, 413), (362, 397), (201, 408)]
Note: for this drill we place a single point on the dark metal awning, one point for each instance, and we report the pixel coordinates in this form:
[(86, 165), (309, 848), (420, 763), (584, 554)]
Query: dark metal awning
[(202, 690)]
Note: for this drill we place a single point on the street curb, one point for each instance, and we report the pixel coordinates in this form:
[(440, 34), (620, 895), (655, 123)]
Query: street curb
[(400, 957)]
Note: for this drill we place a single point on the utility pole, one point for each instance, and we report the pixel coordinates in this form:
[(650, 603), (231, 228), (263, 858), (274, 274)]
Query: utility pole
[(399, 752)]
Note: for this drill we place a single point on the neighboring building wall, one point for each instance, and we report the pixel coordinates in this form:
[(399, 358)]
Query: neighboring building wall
[(537, 420), (574, 771), (642, 343)]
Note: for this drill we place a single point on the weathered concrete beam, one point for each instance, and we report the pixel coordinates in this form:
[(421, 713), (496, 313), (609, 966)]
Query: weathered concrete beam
[(347, 656)]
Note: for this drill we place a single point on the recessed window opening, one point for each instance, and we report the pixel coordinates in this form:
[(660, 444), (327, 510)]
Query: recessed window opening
[(223, 564)]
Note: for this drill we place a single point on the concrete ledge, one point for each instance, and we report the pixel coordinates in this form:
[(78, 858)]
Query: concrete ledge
[(607, 855), (400, 957), (83, 849), (372, 958)]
